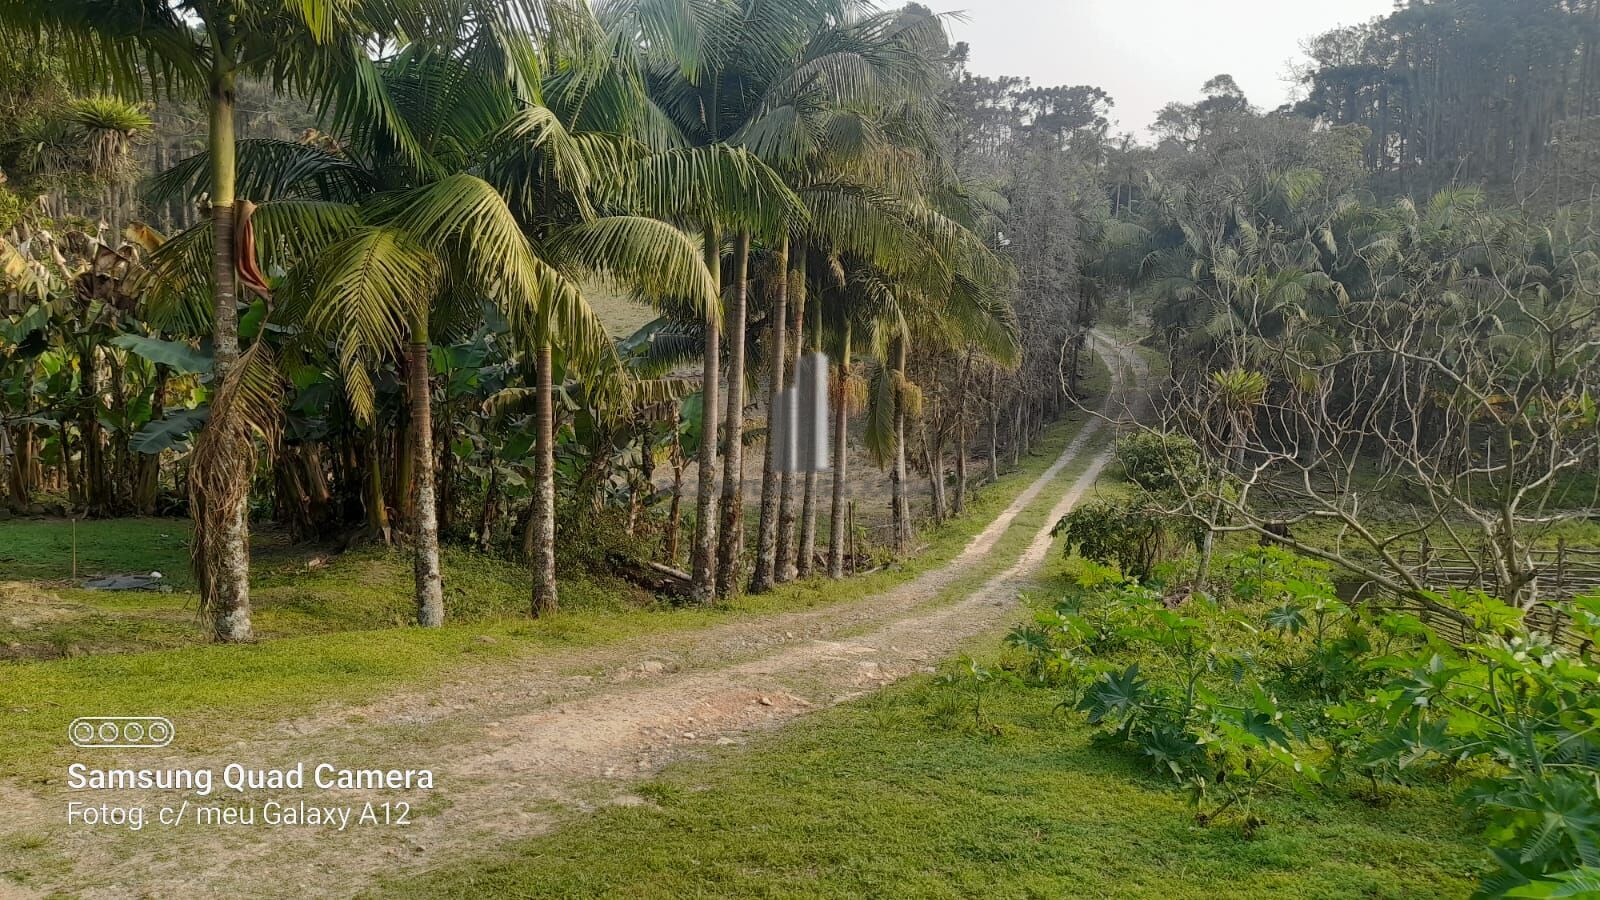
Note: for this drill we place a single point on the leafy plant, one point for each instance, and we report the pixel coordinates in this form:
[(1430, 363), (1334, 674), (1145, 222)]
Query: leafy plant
[(1160, 462), (977, 683), (1579, 883), (1525, 709), (1049, 643), (1132, 534), (1186, 721)]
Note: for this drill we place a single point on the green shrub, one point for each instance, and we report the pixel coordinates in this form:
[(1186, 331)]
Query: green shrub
[(1160, 462), (1193, 686), (1198, 713), (1131, 534), (1527, 711)]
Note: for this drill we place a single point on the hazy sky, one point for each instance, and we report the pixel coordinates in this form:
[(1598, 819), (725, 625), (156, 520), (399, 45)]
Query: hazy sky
[(1146, 53)]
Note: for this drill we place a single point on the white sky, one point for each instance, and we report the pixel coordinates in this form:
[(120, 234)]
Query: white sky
[(1147, 53)]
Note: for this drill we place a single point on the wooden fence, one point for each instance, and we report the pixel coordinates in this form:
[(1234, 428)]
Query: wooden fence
[(1562, 573)]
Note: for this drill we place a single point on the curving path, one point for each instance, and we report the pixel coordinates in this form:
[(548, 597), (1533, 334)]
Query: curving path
[(517, 747)]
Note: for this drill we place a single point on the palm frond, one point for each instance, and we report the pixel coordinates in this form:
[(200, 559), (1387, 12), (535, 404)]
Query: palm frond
[(367, 290), (266, 170), (647, 255), (723, 184), (463, 217)]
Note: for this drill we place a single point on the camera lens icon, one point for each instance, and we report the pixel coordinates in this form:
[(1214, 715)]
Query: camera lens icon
[(111, 732)]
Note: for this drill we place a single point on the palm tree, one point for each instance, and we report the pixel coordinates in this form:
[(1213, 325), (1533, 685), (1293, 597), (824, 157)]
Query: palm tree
[(704, 61), (766, 566), (830, 99), (204, 49), (808, 87), (904, 316), (915, 269), (841, 151), (493, 201)]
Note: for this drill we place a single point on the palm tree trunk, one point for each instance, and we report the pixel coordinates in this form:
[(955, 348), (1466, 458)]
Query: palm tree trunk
[(902, 503), (376, 507), (225, 556), (961, 434), (807, 552), (542, 527), (841, 422), (767, 529), (429, 579), (704, 552), (405, 458), (731, 547), (783, 564), (675, 514)]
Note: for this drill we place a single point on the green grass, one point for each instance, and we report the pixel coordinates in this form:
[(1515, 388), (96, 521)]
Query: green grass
[(300, 591), (295, 592), (897, 795), (214, 690), (892, 796), (42, 549)]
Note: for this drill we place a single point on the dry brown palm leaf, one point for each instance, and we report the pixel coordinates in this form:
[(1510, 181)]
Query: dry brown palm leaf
[(246, 407)]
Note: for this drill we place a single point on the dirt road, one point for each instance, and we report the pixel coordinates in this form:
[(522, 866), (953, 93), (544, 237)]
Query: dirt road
[(516, 749)]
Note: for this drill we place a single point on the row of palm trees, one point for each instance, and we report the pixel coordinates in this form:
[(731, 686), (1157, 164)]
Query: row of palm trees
[(716, 158)]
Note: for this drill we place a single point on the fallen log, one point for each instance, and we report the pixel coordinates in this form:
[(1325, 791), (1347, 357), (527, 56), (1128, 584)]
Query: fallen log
[(653, 576)]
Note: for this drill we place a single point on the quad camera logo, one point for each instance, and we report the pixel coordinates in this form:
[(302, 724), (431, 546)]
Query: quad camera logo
[(119, 732)]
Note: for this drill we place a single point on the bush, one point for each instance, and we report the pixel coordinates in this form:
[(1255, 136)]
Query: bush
[(1527, 710), (1180, 719), (1131, 534), (1160, 462), (1193, 686), (592, 541)]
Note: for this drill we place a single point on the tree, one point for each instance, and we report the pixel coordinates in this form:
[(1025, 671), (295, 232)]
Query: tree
[(1440, 357), (1457, 91), (427, 242), (204, 49)]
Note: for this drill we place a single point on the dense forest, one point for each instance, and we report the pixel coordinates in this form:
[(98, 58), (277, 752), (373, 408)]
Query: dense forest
[(1468, 92)]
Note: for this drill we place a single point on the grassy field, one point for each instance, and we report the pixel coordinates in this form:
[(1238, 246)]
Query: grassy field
[(296, 592), (307, 590), (897, 796)]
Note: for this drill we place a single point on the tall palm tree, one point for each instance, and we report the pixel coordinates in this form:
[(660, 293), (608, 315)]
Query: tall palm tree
[(494, 203), (204, 49), (897, 313), (802, 85), (828, 125), (705, 62), (829, 98)]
